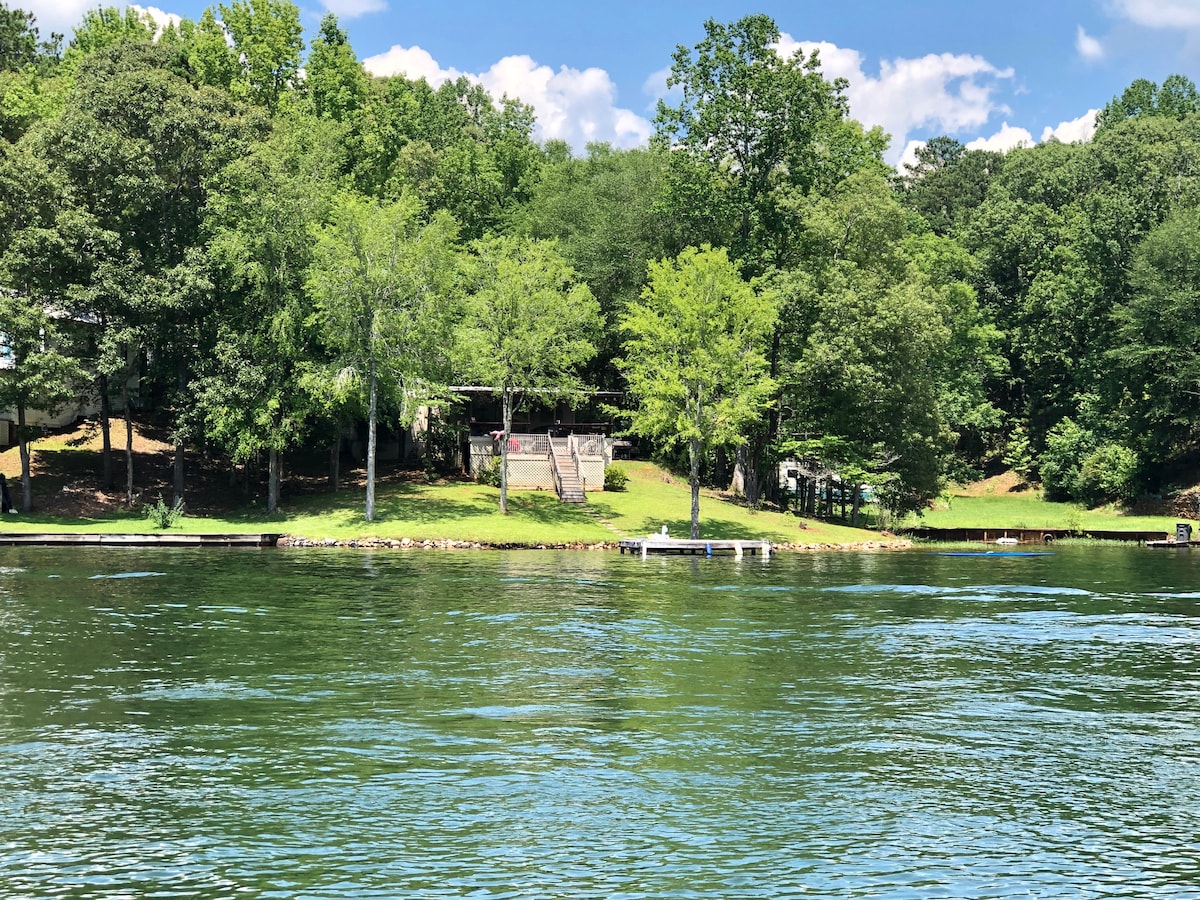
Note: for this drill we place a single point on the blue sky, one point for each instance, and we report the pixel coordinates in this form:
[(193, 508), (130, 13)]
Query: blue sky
[(998, 73)]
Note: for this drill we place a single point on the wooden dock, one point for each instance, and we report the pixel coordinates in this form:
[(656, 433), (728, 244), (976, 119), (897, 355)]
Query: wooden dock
[(151, 539), (686, 546)]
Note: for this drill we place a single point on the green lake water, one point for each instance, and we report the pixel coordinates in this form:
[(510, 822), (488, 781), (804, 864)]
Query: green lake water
[(344, 724)]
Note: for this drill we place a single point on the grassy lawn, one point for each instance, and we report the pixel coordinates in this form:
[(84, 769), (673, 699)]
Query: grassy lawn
[(999, 506), (66, 466), (465, 511)]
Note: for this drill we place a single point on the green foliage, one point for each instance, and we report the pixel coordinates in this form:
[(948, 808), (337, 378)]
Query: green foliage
[(750, 122), (605, 213), (1018, 454), (333, 76), (489, 473), (1157, 350), (104, 27), (528, 327), (948, 182), (615, 478), (887, 352), (266, 39), (162, 516), (21, 46), (1109, 473), (382, 282), (1177, 99), (1067, 446), (693, 356)]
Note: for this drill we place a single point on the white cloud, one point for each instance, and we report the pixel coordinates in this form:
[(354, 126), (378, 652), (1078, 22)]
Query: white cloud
[(947, 92), (909, 156), (57, 15), (1159, 13), (352, 9), (1075, 131), (1087, 46), (160, 19), (411, 62), (655, 87), (577, 106), (1007, 138)]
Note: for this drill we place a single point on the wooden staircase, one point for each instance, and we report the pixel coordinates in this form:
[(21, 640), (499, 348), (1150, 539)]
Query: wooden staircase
[(565, 463)]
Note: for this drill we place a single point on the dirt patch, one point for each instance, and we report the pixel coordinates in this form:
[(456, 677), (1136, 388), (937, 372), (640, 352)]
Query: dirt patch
[(66, 467), (1004, 483)]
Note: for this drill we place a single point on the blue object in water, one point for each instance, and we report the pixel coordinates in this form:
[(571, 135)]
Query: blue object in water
[(129, 575)]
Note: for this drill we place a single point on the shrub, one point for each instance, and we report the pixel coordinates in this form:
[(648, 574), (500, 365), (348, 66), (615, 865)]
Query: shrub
[(615, 478), (1067, 446), (1109, 473), (489, 473), (162, 516)]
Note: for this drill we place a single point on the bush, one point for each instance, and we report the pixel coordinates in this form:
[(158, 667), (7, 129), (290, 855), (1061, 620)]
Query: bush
[(162, 516), (615, 478), (489, 473), (1109, 473), (1067, 446)]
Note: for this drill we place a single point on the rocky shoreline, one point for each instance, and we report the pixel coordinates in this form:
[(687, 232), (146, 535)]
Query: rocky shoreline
[(427, 544)]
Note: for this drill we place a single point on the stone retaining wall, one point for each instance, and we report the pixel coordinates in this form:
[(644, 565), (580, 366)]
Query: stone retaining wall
[(410, 544)]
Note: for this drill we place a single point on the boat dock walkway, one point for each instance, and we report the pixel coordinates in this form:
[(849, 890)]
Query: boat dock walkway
[(686, 546), (153, 539)]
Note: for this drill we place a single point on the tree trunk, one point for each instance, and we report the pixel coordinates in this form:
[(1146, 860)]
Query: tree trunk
[(371, 414), (507, 426), (747, 476), (857, 507), (23, 450), (335, 463), (181, 382), (272, 481), (128, 445), (106, 463), (694, 459), (177, 497)]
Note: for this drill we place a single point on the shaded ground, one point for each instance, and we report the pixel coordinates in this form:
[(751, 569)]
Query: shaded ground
[(66, 469)]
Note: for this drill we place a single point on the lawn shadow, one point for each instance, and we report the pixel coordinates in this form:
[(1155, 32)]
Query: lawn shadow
[(711, 528)]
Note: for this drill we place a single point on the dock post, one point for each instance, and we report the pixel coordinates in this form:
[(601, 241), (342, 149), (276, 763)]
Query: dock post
[(644, 543), (737, 549)]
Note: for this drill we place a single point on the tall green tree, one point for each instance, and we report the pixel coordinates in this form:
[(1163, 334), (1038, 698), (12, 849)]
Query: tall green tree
[(1158, 344), (266, 35), (694, 359), (251, 395), (606, 214), (105, 26), (38, 372), (528, 326), (749, 122), (887, 354), (383, 282), (135, 147), (948, 182), (752, 129), (333, 76), (29, 88), (1177, 98), (454, 147)]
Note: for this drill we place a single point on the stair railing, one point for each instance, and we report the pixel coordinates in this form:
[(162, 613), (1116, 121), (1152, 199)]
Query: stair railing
[(573, 446), (554, 470)]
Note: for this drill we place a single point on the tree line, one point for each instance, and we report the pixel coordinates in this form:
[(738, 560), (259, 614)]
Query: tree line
[(268, 245)]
